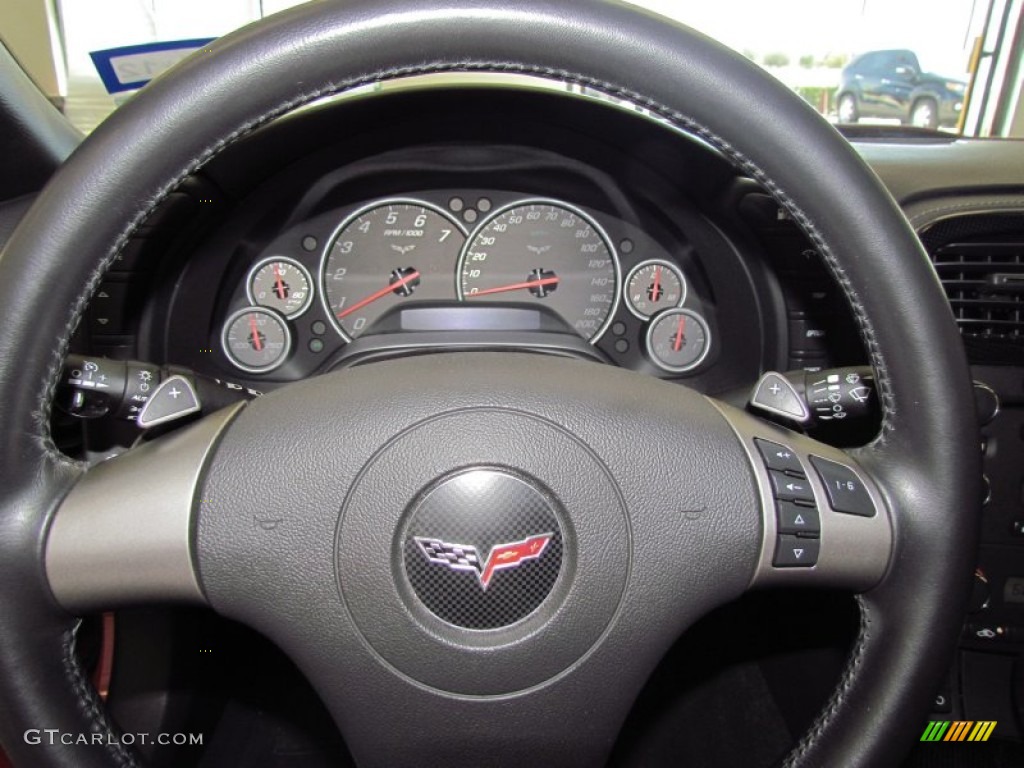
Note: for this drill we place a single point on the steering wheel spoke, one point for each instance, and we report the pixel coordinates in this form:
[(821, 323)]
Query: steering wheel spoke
[(123, 534), (825, 521)]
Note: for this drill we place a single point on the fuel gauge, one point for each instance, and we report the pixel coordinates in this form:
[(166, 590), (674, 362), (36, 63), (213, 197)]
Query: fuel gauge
[(256, 340), (280, 283), (678, 340)]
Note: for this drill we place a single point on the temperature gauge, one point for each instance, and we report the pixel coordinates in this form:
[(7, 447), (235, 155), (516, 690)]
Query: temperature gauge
[(280, 283), (256, 340), (678, 340), (652, 286)]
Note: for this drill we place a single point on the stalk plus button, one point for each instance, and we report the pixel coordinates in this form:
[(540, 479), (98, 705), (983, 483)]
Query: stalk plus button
[(774, 394)]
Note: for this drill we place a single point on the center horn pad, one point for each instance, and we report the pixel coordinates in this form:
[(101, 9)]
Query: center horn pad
[(483, 551)]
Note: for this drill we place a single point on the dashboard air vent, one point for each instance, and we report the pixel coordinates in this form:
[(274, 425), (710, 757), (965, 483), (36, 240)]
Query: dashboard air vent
[(985, 285)]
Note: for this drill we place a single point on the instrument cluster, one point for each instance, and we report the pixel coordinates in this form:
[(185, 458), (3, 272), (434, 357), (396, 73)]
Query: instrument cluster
[(328, 281)]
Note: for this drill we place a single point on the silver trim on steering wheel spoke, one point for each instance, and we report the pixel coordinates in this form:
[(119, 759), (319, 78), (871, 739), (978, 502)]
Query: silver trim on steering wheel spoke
[(123, 534), (852, 550)]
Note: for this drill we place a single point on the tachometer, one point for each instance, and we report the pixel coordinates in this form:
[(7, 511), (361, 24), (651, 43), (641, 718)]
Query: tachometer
[(384, 254), (546, 252)]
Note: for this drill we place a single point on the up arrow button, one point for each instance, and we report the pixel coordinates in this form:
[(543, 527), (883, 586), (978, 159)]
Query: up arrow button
[(793, 518)]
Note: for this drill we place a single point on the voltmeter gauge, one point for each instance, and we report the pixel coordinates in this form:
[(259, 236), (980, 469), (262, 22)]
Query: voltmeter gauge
[(678, 340), (653, 286), (280, 283), (256, 340)]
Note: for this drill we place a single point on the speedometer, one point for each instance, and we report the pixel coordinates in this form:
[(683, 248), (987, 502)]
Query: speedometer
[(544, 252)]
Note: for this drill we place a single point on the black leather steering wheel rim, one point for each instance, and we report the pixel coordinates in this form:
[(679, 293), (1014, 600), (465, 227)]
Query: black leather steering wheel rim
[(925, 457)]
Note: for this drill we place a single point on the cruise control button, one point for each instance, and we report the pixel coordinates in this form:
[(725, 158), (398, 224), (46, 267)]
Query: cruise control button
[(792, 518), (778, 456), (794, 552), (846, 491), (774, 394), (788, 488)]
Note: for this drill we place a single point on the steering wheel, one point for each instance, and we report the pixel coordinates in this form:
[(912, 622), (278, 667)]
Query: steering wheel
[(468, 553)]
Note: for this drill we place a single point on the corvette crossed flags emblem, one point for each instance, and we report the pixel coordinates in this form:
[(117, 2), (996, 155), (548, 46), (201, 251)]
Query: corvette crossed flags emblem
[(463, 557)]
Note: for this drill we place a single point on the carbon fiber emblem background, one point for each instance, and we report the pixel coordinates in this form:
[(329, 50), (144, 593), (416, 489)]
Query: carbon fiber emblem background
[(483, 548)]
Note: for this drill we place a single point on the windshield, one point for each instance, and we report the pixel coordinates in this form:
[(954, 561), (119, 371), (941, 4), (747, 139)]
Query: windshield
[(905, 64)]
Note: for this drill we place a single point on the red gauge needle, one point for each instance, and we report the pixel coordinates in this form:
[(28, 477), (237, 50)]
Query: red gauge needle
[(515, 287), (255, 333), (656, 290), (280, 282), (379, 294), (677, 343)]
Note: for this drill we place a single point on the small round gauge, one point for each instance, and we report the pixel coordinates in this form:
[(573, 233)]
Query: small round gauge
[(280, 283), (678, 340), (387, 253), (256, 340), (653, 286), (544, 252)]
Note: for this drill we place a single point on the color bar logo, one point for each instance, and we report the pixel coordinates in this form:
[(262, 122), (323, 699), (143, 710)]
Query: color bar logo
[(958, 730)]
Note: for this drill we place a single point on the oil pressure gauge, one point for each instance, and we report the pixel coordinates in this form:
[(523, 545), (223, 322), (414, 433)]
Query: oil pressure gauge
[(678, 340), (256, 340), (653, 286), (280, 283)]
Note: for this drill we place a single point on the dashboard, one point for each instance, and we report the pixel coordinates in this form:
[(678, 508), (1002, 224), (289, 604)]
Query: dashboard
[(288, 258), (453, 260)]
